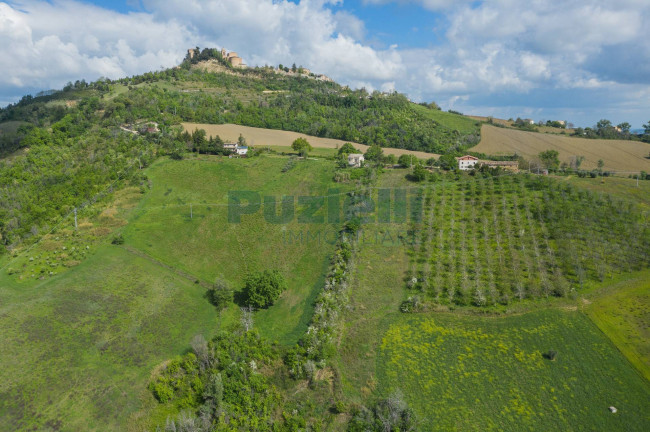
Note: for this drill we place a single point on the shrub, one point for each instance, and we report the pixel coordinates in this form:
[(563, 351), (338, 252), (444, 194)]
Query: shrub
[(550, 355), (262, 289), (118, 240), (162, 391)]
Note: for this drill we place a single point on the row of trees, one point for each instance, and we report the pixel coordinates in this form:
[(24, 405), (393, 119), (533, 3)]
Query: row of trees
[(497, 239)]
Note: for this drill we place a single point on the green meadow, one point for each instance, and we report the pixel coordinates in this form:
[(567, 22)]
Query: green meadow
[(78, 348), (84, 327), (200, 241)]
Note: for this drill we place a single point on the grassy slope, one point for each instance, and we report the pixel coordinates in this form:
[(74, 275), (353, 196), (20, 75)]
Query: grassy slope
[(463, 124), (78, 348), (618, 155), (622, 188), (207, 246), (621, 311)]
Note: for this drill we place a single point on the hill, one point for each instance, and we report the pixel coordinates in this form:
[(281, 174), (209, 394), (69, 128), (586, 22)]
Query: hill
[(414, 299), (618, 155)]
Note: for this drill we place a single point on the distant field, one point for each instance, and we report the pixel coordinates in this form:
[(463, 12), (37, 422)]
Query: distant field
[(618, 155), (257, 137), (622, 312)]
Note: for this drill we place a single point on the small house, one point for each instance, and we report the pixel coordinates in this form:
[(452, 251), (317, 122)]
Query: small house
[(466, 162), (355, 160), (230, 146), (242, 150)]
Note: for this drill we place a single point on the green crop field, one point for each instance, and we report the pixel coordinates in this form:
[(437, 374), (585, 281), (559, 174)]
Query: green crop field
[(477, 373)]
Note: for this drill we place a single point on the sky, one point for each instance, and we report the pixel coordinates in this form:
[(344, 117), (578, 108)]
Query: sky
[(574, 60)]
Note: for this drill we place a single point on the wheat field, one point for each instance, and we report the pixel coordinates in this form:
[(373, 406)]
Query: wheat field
[(258, 137), (618, 155)]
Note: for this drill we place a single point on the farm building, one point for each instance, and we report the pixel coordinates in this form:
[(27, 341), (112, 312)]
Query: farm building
[(242, 150), (508, 165), (230, 146), (467, 162), (355, 160)]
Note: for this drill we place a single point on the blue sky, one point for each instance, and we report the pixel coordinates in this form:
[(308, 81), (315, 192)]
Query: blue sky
[(558, 59)]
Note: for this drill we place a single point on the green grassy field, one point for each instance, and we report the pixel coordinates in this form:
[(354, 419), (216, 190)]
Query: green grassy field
[(620, 188), (621, 310), (79, 344), (78, 349), (477, 373), (207, 246)]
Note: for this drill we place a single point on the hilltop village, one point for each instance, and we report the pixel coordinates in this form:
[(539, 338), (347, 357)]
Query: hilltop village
[(234, 60)]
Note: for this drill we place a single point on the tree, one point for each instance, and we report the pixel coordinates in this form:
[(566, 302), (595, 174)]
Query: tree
[(347, 149), (419, 173), (550, 159), (374, 153), (646, 128), (294, 68), (447, 162), (390, 159), (601, 164), (405, 160), (220, 294), (241, 140), (262, 289), (624, 127), (302, 146)]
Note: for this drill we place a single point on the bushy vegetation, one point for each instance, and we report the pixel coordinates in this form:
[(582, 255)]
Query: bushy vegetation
[(500, 239), (262, 289), (222, 385)]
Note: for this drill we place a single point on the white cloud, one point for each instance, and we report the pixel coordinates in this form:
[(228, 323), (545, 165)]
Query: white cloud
[(433, 5), (499, 49)]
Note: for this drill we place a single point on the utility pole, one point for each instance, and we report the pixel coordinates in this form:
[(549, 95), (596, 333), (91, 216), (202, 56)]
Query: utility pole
[(75, 218)]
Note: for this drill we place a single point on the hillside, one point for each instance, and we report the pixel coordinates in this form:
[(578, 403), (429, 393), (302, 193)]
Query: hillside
[(283, 139), (150, 281), (618, 155)]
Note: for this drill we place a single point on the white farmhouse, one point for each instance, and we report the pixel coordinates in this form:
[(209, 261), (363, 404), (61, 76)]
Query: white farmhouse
[(466, 162), (355, 160), (242, 150)]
